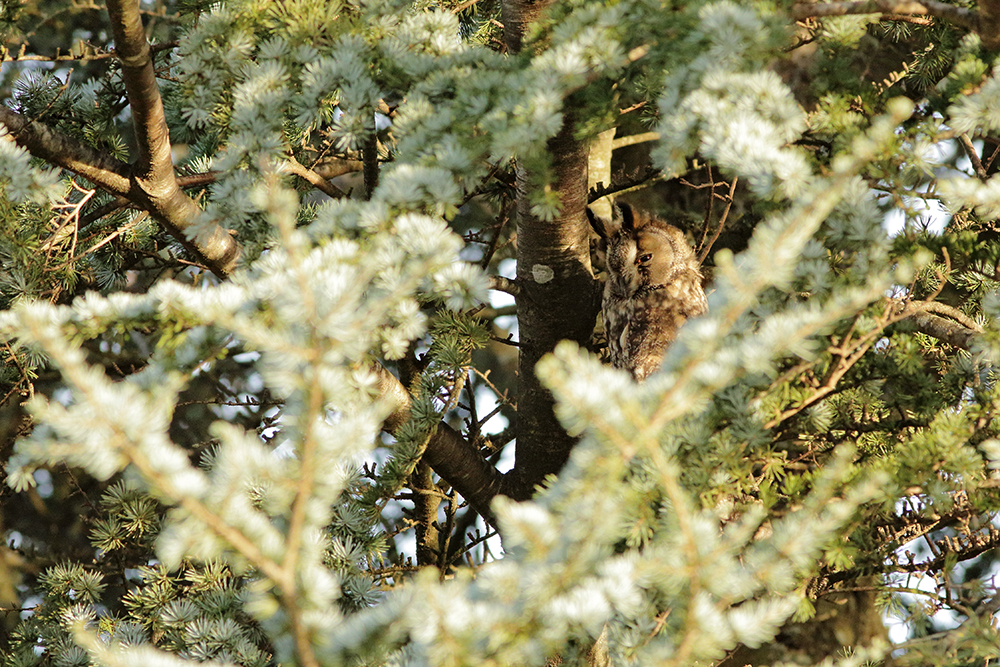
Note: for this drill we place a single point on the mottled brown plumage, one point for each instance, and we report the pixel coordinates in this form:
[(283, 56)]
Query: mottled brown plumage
[(653, 286)]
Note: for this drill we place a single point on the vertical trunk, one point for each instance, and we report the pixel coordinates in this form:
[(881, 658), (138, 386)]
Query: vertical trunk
[(557, 301), (517, 16), (557, 298)]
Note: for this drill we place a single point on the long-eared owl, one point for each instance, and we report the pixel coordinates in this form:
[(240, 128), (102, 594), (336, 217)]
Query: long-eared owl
[(653, 286)]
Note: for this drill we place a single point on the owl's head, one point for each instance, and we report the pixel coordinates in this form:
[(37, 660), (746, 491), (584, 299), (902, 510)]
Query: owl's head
[(641, 250)]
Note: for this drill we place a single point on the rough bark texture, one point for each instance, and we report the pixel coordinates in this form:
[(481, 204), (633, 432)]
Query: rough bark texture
[(557, 300), (517, 16), (556, 290), (989, 23)]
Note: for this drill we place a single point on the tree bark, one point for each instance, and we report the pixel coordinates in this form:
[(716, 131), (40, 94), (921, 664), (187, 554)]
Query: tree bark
[(556, 289), (154, 184), (517, 17), (558, 299)]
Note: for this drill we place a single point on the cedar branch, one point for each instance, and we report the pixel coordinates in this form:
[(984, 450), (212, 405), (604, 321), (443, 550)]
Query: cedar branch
[(451, 456), (153, 185), (957, 15), (985, 22)]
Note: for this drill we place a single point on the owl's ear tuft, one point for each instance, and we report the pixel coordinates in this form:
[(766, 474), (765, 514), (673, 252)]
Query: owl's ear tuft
[(625, 215), (604, 227)]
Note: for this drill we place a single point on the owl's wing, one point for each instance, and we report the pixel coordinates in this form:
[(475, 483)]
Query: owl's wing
[(655, 319)]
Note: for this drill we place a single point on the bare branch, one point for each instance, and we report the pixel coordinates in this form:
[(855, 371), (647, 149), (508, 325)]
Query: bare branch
[(317, 181), (643, 180), (927, 319), (970, 152), (154, 185), (451, 456), (152, 136), (722, 221), (632, 139), (504, 284), (958, 15), (329, 168)]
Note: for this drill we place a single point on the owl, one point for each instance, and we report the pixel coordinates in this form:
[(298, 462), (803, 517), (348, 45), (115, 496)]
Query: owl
[(653, 286)]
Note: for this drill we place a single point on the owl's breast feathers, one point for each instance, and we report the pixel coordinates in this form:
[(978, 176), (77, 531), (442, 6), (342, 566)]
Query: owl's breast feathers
[(682, 292), (655, 313)]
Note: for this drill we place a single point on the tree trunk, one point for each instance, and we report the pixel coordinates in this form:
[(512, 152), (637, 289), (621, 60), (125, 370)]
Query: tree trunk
[(558, 300), (557, 297)]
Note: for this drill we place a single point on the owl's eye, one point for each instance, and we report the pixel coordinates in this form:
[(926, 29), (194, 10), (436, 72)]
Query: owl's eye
[(643, 259)]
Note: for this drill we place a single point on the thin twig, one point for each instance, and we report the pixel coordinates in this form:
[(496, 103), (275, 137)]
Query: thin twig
[(503, 217), (462, 7), (644, 180), (709, 206), (722, 221), (973, 155)]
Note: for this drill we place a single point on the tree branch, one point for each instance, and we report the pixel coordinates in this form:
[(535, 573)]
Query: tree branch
[(64, 151), (504, 284), (152, 136), (330, 168), (455, 459), (985, 22), (154, 185), (314, 179), (958, 15), (958, 331)]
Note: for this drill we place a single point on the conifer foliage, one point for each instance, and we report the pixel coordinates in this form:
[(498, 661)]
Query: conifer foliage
[(263, 402)]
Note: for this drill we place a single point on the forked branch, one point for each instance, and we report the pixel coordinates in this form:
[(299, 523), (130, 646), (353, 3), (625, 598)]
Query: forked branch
[(149, 182)]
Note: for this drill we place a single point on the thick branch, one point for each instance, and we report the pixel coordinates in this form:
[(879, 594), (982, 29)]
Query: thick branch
[(451, 456), (154, 186), (330, 168), (317, 181), (944, 330), (152, 137), (462, 465), (957, 15), (171, 207), (957, 330), (985, 22), (64, 151)]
